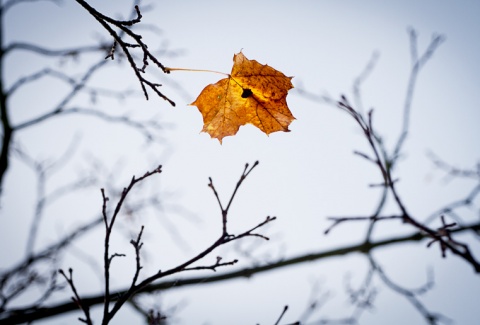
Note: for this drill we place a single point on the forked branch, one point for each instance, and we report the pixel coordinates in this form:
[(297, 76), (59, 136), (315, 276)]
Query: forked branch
[(189, 265), (125, 29)]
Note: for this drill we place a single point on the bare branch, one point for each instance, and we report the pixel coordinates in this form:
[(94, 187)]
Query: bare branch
[(72, 52), (109, 223), (11, 3), (137, 245), (124, 25), (93, 91), (67, 99), (76, 298), (212, 267), (411, 295), (44, 170), (373, 218), (453, 171), (245, 173), (185, 266), (361, 78), (449, 208), (19, 316), (417, 65), (281, 316)]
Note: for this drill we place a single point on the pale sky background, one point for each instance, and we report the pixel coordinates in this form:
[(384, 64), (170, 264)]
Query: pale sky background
[(304, 175)]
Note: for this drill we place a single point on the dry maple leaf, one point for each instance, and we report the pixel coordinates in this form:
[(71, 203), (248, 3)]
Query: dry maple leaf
[(253, 93)]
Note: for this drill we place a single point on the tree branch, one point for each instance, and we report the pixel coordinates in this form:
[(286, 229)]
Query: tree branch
[(22, 315), (106, 21)]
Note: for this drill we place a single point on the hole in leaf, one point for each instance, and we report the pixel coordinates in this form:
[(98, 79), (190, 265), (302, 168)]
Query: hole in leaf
[(246, 93)]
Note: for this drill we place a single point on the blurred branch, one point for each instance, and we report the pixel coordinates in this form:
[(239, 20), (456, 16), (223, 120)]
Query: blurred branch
[(24, 274), (361, 78), (93, 91), (411, 294), (4, 113), (23, 315), (152, 317), (417, 64), (315, 303), (28, 272), (450, 208), (44, 170), (363, 297), (357, 97), (453, 171), (8, 4), (147, 128), (72, 52), (50, 250), (374, 218), (60, 107)]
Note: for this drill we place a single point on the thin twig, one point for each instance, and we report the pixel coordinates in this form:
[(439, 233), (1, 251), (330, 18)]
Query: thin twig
[(124, 26), (76, 298)]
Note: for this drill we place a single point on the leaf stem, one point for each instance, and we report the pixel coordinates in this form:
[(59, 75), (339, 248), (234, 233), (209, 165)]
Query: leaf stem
[(194, 70)]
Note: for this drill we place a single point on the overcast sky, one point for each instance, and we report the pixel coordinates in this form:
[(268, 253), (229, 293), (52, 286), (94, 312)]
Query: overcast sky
[(304, 175)]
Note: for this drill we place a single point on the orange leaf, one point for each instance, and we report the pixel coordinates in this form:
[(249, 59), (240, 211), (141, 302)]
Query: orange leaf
[(253, 93)]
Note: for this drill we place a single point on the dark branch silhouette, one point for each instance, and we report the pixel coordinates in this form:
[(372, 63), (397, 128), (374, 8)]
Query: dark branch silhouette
[(124, 26)]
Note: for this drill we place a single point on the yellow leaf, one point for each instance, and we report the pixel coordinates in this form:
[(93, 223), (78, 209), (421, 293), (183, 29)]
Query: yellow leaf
[(253, 93)]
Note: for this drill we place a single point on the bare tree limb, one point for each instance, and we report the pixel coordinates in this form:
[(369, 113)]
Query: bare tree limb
[(76, 298), (124, 25), (417, 64), (22, 315), (93, 91), (11, 3), (60, 107), (40, 50), (411, 295)]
